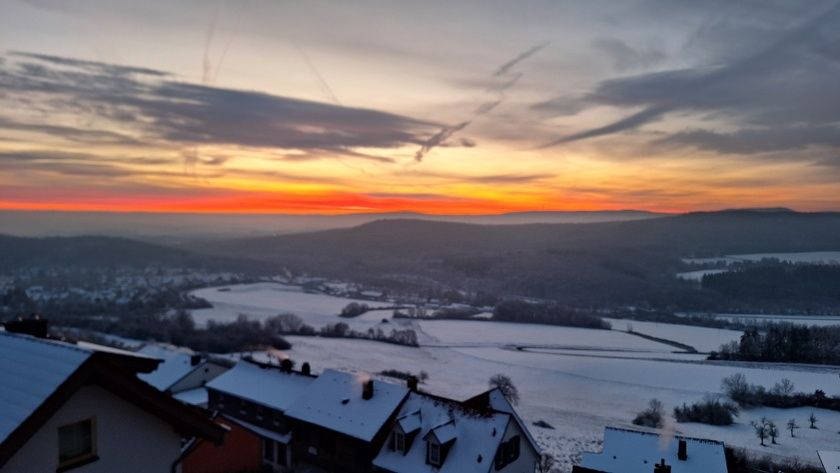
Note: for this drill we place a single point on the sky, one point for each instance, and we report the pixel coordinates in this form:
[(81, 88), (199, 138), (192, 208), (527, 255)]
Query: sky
[(467, 107)]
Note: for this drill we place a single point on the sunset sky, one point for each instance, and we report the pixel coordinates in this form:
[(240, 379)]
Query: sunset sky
[(449, 107)]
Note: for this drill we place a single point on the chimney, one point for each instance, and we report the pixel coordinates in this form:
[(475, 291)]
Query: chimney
[(305, 368), (411, 382), (682, 452), (662, 467), (35, 326), (367, 390), (195, 359)]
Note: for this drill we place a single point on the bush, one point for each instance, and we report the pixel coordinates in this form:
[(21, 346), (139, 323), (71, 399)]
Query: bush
[(710, 410), (354, 309), (652, 416)]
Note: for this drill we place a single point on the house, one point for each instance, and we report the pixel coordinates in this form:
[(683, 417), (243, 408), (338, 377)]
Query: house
[(182, 373), (255, 397), (830, 461), (634, 451), (438, 435), (343, 419), (82, 408)]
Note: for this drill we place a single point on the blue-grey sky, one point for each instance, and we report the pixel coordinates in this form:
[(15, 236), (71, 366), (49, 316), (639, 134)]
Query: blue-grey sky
[(468, 106)]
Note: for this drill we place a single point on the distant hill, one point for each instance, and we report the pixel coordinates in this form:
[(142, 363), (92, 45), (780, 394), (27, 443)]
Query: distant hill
[(171, 226), (91, 252), (595, 263)]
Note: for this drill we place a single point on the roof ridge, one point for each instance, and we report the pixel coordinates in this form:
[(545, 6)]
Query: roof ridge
[(47, 341)]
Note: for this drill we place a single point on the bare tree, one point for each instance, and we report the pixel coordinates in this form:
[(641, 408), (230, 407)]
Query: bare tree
[(792, 425), (546, 462), (652, 416), (760, 430), (772, 430), (783, 387), (505, 385), (813, 420)]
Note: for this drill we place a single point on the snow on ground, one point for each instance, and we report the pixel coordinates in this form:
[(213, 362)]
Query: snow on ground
[(704, 339), (473, 333), (580, 394), (263, 300), (578, 380)]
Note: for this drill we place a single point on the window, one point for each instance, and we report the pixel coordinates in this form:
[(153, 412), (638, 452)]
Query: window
[(76, 442), (274, 453), (268, 450), (434, 453), (513, 449), (507, 453), (399, 442)]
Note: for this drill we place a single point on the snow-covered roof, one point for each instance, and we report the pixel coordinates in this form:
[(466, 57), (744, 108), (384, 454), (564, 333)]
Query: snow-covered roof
[(334, 401), (830, 460), (410, 422), (176, 364), (31, 369), (195, 397), (476, 433), (270, 387), (631, 451)]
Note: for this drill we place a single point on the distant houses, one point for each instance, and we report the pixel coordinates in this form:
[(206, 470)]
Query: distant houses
[(634, 451), (182, 373), (81, 407)]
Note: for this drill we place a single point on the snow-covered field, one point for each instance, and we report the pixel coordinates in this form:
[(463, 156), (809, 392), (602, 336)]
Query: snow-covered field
[(578, 380), (704, 339), (262, 300)]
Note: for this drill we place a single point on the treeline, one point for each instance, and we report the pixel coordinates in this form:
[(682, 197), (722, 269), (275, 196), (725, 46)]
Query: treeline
[(785, 342), (776, 286), (180, 329), (781, 395), (290, 324), (546, 313)]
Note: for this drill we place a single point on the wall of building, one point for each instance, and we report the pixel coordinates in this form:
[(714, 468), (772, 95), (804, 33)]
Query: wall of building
[(240, 452), (129, 439), (528, 458)]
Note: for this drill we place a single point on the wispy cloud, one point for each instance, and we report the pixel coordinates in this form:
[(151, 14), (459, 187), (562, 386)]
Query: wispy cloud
[(782, 83), (497, 88), (152, 104)]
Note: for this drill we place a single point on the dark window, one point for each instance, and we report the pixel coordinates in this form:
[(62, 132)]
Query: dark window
[(281, 454), (433, 457), (76, 442), (507, 453), (268, 450), (513, 449), (399, 442)]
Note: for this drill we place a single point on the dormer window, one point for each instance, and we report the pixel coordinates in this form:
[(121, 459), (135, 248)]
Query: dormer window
[(433, 453)]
